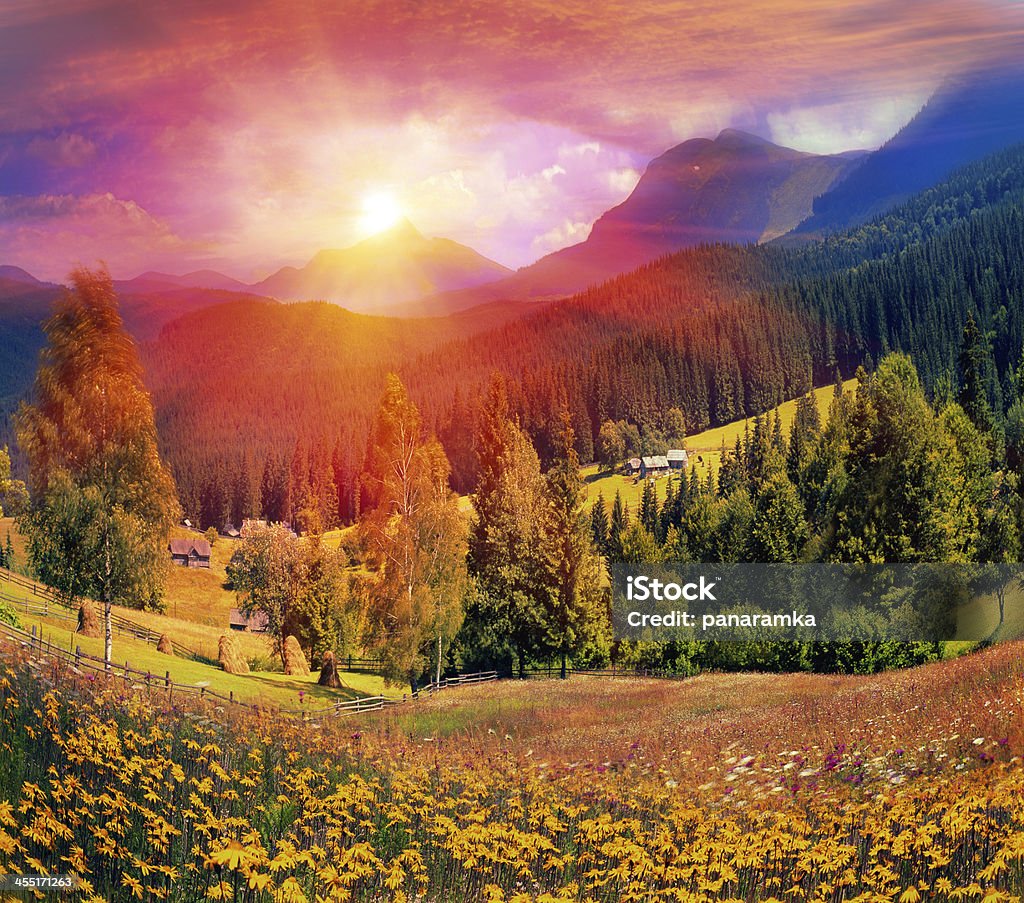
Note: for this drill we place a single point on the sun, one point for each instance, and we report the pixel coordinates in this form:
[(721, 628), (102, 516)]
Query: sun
[(381, 211)]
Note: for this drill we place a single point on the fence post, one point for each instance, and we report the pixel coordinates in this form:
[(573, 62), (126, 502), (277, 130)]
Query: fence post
[(78, 656), (231, 696), (167, 681)]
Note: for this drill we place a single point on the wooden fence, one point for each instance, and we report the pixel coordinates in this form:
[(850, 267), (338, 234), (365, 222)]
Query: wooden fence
[(34, 642), (52, 605)]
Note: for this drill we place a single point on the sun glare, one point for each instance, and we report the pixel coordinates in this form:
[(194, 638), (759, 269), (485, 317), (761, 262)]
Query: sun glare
[(381, 211)]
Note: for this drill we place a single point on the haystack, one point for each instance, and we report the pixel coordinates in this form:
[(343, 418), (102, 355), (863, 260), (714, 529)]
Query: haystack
[(164, 645), (88, 620), (329, 676), (294, 661), (230, 658)]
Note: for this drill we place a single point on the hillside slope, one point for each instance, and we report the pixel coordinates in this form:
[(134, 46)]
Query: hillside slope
[(767, 784)]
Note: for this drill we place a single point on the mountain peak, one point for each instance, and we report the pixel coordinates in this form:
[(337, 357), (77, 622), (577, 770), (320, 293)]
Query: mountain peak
[(402, 230), (739, 138), (394, 266), (17, 274)]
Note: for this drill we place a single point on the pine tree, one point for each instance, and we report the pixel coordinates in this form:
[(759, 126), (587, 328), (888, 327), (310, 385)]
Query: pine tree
[(506, 543), (576, 614), (102, 500), (803, 435), (599, 525), (617, 524), (974, 357), (649, 509)]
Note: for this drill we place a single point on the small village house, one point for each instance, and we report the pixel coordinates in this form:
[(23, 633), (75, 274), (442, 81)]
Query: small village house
[(677, 459), (653, 466), (255, 622), (190, 553)]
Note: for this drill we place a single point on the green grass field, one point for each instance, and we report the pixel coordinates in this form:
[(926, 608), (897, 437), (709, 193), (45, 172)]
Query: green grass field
[(201, 595), (265, 687), (704, 449)]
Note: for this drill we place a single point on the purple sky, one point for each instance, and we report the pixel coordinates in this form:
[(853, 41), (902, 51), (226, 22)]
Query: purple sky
[(244, 135)]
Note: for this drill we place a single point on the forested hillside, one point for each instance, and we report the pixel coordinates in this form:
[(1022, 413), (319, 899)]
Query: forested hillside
[(725, 332), (974, 114), (258, 402), (720, 332)]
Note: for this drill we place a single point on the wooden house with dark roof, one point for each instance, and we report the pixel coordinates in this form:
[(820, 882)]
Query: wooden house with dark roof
[(190, 553)]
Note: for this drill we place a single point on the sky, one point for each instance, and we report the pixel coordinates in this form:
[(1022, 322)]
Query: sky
[(245, 134)]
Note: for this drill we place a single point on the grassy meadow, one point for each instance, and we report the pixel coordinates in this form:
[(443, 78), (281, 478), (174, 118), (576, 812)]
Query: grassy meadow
[(905, 786), (268, 688)]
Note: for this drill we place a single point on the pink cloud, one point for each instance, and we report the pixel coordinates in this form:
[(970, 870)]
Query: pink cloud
[(51, 234), (254, 127)]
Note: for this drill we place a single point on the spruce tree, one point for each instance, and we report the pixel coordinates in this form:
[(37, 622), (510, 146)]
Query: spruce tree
[(649, 509), (617, 525), (506, 542), (599, 525), (576, 615), (973, 361)]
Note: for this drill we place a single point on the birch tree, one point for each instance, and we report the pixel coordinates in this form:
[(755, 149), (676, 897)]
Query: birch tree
[(102, 501)]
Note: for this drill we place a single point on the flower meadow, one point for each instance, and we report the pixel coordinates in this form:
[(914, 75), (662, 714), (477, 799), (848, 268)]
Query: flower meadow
[(901, 787)]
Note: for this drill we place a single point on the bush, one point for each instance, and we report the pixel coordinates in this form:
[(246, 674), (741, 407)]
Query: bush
[(8, 615)]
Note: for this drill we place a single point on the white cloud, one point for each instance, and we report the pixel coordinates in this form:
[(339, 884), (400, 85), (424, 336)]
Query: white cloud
[(67, 149), (565, 233), (856, 125), (578, 150), (623, 181), (704, 115)]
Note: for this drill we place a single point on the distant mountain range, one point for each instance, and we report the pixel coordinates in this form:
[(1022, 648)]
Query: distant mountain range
[(737, 188), (156, 282), (392, 267)]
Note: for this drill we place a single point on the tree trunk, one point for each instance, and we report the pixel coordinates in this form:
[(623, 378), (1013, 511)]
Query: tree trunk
[(108, 628), (1001, 596), (108, 633), (563, 671), (439, 658)]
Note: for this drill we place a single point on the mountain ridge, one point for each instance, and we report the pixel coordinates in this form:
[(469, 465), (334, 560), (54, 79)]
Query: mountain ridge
[(736, 188), (392, 267)]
